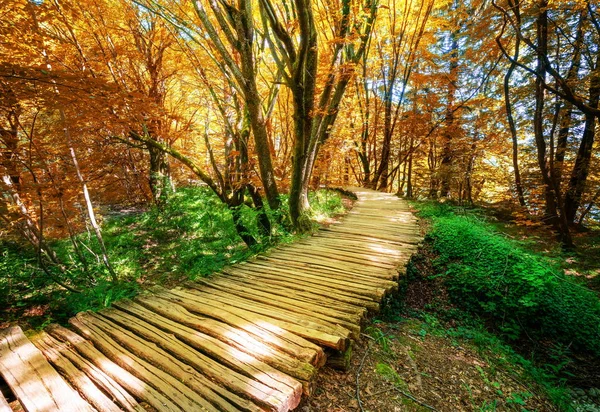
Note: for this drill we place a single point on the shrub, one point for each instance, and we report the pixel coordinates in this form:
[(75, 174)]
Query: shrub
[(520, 291)]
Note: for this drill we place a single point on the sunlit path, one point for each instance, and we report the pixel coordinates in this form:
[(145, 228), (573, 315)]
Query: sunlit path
[(250, 338)]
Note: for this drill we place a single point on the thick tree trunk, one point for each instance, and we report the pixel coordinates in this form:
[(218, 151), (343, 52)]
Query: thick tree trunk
[(446, 171), (565, 123), (538, 124), (159, 176)]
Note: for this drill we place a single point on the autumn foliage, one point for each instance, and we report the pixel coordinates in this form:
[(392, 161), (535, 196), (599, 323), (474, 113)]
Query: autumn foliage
[(114, 102)]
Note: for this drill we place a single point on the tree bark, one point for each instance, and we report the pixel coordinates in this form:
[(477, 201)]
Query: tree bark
[(511, 123), (580, 171), (538, 122)]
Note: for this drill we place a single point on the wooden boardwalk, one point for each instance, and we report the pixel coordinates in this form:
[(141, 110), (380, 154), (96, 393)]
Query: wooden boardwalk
[(248, 339)]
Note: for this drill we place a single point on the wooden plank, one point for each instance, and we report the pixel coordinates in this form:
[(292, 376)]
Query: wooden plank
[(286, 289), (36, 385), (356, 281), (356, 264), (52, 350), (241, 346), (330, 264), (372, 259), (227, 353), (310, 279), (200, 302), (180, 363), (117, 394), (301, 271), (301, 285), (137, 387), (357, 244), (357, 234), (329, 307), (296, 318), (376, 230), (259, 327), (228, 284), (291, 310), (139, 362)]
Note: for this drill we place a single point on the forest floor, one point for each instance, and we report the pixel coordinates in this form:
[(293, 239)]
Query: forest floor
[(409, 367)]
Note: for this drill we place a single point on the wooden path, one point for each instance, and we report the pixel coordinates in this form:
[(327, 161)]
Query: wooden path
[(248, 339)]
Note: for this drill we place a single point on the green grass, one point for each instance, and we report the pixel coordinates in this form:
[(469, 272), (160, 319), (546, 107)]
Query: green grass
[(191, 237), (520, 292)]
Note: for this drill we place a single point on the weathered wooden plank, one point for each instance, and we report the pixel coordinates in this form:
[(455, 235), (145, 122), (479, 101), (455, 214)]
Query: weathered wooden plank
[(272, 396), (226, 353), (140, 362), (302, 286), (244, 346), (311, 279), (137, 387), (181, 363), (289, 290), (355, 281), (262, 327), (356, 244), (372, 259), (301, 271), (36, 385), (198, 300), (270, 297), (52, 350), (101, 380), (292, 310), (332, 265), (341, 233), (341, 265)]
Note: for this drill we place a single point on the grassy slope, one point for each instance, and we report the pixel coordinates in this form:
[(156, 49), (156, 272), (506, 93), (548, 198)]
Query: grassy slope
[(192, 237), (504, 289)]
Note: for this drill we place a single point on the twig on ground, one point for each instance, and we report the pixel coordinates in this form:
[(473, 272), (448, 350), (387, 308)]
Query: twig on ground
[(412, 398), (364, 335), (358, 377)]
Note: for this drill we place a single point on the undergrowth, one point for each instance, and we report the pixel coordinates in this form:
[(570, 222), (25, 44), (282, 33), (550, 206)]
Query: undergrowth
[(191, 237), (523, 293), (512, 302)]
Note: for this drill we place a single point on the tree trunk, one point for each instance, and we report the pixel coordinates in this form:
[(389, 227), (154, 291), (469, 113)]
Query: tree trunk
[(581, 168), (447, 155), (159, 176), (262, 219), (511, 123), (240, 228), (538, 124), (10, 138), (409, 185)]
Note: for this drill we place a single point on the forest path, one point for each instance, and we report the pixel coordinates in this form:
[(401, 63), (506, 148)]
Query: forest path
[(250, 338)]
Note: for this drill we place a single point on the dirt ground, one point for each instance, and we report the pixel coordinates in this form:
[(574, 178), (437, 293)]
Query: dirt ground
[(405, 369)]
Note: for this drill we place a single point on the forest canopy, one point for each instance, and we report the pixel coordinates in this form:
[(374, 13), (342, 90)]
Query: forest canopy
[(120, 102)]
